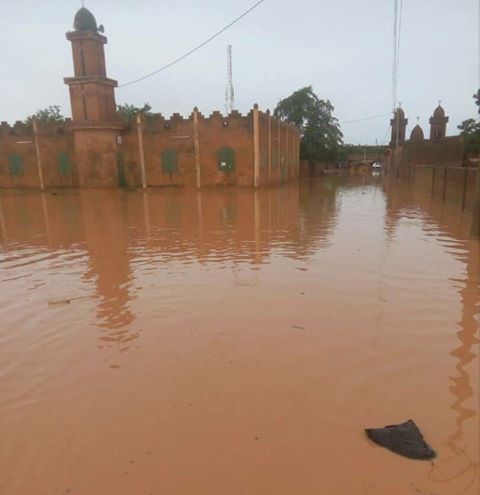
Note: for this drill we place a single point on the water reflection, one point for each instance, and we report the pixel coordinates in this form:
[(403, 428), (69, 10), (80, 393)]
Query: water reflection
[(126, 234), (456, 468), (309, 300)]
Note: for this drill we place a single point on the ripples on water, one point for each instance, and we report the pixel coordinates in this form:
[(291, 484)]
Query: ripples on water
[(236, 341)]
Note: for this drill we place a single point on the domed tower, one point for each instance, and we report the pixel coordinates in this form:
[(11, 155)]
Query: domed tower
[(399, 127), (416, 136), (92, 98), (438, 123)]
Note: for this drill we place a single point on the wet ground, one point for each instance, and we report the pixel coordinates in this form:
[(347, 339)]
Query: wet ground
[(236, 342)]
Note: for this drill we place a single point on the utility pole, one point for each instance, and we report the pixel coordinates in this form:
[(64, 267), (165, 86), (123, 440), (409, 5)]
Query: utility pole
[(229, 91)]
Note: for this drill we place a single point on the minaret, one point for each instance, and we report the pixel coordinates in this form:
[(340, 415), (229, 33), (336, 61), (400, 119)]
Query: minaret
[(399, 127), (438, 123), (92, 97)]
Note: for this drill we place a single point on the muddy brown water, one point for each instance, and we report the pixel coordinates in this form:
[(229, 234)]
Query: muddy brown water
[(236, 342)]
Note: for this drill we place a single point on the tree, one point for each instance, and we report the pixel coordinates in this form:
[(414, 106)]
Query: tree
[(470, 130), (320, 132), (50, 116), (129, 112), (476, 97)]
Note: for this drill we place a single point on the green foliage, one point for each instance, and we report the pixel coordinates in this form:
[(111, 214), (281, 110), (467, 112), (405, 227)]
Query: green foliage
[(129, 112), (320, 132), (470, 130), (50, 116), (476, 97)]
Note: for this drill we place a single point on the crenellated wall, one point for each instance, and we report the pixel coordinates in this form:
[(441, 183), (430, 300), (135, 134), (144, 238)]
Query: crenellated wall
[(193, 151), (19, 161)]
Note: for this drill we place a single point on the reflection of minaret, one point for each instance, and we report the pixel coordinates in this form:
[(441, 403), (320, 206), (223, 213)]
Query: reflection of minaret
[(106, 232), (457, 467), (468, 337)]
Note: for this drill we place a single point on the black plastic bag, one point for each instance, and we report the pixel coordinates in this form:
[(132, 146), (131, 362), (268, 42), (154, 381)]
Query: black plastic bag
[(404, 439)]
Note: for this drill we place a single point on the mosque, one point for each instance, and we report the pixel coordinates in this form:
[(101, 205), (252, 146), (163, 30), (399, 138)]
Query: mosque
[(439, 149), (438, 127), (96, 148)]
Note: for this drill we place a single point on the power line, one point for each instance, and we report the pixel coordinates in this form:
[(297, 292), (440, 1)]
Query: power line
[(193, 50), (365, 118), (397, 32)]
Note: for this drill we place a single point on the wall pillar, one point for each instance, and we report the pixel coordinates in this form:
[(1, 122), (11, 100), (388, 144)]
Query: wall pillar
[(256, 146), (269, 148), (37, 153), (476, 208), (196, 140), (287, 152), (141, 150)]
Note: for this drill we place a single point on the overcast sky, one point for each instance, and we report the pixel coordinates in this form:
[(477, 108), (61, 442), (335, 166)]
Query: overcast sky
[(343, 48)]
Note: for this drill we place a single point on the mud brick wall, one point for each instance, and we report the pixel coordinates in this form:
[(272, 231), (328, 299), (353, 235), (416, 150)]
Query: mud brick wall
[(18, 159), (225, 150), (453, 184), (448, 151), (220, 147)]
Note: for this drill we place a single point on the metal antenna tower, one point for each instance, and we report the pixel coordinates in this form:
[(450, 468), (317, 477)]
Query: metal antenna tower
[(229, 91)]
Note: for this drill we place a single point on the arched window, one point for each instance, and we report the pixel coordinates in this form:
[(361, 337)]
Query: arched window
[(226, 159)]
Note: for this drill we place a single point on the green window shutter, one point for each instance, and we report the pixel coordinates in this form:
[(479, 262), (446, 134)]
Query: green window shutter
[(226, 159), (64, 164), (169, 161), (15, 164)]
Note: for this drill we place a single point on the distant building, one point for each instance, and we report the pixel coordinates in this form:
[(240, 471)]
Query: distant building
[(438, 124), (439, 149), (399, 126)]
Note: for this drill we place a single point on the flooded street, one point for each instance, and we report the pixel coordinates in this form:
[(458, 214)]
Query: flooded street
[(238, 342)]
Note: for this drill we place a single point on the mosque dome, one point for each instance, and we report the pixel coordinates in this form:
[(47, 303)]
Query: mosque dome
[(85, 21), (417, 134), (439, 112)]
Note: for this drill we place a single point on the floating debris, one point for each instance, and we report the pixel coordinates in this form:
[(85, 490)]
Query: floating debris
[(53, 302), (404, 439)]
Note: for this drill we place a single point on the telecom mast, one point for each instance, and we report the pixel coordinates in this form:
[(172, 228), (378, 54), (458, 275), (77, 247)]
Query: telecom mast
[(229, 91)]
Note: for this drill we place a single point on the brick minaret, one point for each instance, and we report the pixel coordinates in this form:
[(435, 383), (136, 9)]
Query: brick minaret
[(92, 96), (399, 127), (438, 123)]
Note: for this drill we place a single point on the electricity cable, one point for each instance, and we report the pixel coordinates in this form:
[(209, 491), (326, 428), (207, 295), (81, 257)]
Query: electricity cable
[(196, 48), (365, 118)]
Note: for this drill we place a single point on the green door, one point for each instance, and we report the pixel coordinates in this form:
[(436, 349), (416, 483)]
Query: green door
[(226, 159)]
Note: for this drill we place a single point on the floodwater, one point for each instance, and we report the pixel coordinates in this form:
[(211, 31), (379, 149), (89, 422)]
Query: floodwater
[(236, 342)]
